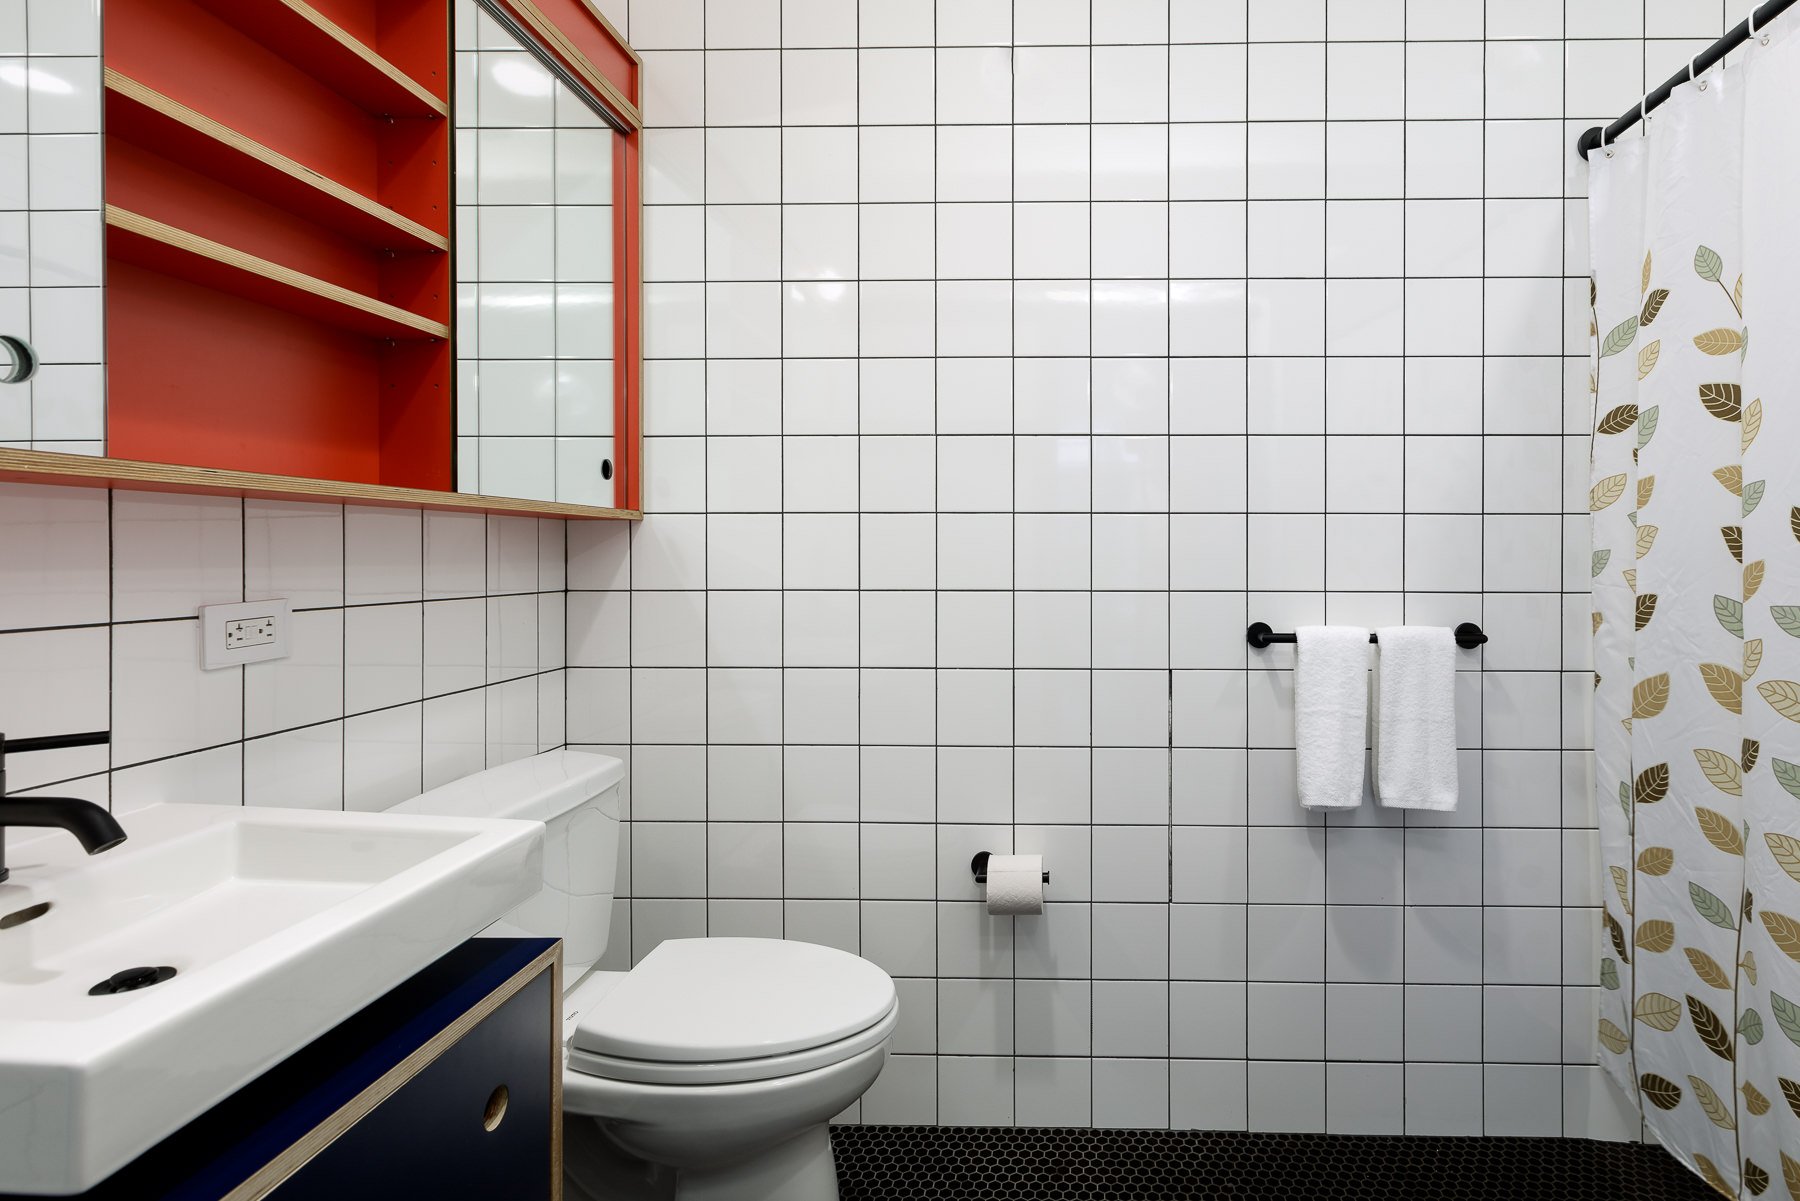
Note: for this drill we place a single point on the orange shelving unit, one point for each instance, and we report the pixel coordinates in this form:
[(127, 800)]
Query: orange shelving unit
[(278, 184)]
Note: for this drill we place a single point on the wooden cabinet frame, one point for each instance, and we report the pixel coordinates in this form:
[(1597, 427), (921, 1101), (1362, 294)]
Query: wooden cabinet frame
[(280, 301)]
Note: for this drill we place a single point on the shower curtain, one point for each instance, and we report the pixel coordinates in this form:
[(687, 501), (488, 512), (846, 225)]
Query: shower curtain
[(1695, 497)]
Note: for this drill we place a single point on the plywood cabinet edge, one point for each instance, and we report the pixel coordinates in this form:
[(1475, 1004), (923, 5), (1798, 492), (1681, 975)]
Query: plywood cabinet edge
[(49, 467), (623, 106)]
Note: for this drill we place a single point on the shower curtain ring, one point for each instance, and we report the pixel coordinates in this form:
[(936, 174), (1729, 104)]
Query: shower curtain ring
[(1751, 31)]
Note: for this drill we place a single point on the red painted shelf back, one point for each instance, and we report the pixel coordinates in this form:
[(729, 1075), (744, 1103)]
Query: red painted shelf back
[(201, 374)]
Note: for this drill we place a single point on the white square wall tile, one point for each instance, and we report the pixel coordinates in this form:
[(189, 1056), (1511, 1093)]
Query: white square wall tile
[(53, 556), (383, 758), (1287, 82), (975, 85), (299, 769), (55, 682), (1130, 83), (163, 702), (383, 650), (974, 162), (304, 688), (974, 22), (295, 552), (383, 555), (173, 554)]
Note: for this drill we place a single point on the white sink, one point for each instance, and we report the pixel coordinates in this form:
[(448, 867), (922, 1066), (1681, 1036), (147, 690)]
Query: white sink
[(280, 924)]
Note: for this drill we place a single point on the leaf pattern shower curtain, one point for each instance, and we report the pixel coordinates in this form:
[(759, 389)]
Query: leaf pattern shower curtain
[(1695, 244)]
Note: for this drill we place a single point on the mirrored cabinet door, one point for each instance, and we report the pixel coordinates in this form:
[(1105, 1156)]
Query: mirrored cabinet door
[(537, 381)]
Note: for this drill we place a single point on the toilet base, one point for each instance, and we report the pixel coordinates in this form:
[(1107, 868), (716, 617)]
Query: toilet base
[(800, 1168)]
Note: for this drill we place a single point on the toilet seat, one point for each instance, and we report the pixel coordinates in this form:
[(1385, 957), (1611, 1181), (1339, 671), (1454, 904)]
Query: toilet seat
[(738, 1071), (725, 1010)]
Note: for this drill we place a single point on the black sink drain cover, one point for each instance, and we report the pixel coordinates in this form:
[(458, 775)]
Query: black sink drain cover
[(131, 979)]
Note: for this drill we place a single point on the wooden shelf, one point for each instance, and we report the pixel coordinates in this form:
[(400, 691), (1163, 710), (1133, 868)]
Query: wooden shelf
[(311, 41), (161, 247), (144, 116), (47, 467)]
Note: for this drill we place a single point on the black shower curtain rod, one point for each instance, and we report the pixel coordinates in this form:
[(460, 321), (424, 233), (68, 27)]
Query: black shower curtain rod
[(1740, 33)]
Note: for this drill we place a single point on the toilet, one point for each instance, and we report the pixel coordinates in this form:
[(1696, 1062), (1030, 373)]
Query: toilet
[(709, 1071)]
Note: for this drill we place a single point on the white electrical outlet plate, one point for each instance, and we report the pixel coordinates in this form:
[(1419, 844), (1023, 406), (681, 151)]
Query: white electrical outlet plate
[(246, 633)]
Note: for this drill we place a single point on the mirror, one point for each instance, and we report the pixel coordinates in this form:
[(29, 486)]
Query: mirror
[(370, 250), (536, 382)]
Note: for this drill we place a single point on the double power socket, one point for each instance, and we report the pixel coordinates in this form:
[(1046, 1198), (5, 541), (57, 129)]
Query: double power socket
[(248, 633)]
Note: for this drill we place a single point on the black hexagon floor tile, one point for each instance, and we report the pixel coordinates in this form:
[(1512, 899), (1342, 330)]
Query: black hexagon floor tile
[(977, 1163)]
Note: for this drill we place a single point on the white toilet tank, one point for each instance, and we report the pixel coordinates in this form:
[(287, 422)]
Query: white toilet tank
[(576, 795)]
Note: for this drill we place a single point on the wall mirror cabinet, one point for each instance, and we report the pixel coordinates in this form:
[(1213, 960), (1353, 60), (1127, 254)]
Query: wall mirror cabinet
[(382, 251)]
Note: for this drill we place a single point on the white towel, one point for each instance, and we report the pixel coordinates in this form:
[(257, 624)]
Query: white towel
[(1331, 714), (1415, 718)]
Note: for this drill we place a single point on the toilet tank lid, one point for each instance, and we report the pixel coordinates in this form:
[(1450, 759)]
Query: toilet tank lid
[(539, 788)]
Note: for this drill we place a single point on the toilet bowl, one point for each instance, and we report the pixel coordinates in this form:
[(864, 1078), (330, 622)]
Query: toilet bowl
[(711, 1070), (724, 1059)]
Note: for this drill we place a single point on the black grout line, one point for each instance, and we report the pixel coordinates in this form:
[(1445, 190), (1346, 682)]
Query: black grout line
[(1325, 824), (1538, 39), (1168, 568), (1094, 801), (1249, 531), (1405, 104)]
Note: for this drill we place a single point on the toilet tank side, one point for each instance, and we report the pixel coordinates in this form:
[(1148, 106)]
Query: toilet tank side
[(576, 795)]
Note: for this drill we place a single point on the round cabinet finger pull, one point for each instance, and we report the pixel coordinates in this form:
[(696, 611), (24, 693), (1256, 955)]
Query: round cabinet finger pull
[(606, 469), (22, 361), (496, 1109)]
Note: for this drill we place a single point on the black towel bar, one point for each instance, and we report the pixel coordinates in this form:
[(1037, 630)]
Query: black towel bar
[(1260, 635)]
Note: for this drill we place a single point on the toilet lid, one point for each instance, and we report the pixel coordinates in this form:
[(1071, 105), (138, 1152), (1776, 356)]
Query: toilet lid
[(694, 1000)]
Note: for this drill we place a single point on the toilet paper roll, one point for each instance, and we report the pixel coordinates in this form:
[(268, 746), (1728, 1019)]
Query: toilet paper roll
[(1015, 884)]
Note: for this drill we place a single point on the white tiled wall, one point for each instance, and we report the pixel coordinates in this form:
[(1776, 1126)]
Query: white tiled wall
[(51, 244), (1005, 360), (534, 266), (425, 646)]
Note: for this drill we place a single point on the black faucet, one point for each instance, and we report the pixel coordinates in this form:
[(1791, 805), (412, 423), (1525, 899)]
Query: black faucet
[(91, 825)]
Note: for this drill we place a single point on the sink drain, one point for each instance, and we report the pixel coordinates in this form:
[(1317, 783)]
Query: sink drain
[(131, 979)]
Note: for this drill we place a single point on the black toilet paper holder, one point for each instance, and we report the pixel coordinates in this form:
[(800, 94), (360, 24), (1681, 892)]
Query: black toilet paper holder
[(978, 865)]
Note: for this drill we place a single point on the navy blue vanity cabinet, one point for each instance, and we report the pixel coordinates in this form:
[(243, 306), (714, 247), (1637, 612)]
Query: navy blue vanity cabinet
[(477, 1122), (449, 1087)]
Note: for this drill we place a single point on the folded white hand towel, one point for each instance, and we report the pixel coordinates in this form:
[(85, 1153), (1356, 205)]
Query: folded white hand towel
[(1415, 718), (1331, 714)]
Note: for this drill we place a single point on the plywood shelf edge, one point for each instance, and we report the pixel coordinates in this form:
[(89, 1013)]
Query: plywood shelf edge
[(163, 247), (49, 467), (271, 173), (308, 38)]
